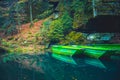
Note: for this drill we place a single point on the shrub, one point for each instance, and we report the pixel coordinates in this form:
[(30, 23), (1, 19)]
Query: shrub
[(55, 33), (59, 28), (74, 38)]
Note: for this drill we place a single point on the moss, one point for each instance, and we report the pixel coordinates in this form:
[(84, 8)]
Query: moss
[(74, 38)]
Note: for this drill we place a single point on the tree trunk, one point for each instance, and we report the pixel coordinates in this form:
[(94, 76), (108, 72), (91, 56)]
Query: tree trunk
[(18, 15), (94, 8), (31, 16)]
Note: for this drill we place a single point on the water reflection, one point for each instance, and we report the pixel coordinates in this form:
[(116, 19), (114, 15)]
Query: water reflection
[(45, 67)]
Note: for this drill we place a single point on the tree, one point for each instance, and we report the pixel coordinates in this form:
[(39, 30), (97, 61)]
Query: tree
[(78, 9), (58, 28), (94, 8), (31, 15)]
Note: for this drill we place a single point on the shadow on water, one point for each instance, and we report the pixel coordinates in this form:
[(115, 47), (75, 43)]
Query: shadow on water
[(44, 67)]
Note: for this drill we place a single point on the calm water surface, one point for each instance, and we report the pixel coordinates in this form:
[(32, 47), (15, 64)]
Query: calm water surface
[(45, 67)]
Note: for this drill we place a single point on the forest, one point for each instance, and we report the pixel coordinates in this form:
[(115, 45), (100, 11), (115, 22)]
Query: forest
[(27, 24), (29, 29)]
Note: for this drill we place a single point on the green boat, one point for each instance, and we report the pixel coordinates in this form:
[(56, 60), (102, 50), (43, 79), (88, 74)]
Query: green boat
[(94, 50)]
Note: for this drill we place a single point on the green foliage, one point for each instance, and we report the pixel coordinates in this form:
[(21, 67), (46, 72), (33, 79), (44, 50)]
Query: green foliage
[(12, 15), (40, 9), (44, 14), (66, 22), (78, 6), (9, 46), (56, 31), (74, 38), (59, 28), (80, 15), (5, 43)]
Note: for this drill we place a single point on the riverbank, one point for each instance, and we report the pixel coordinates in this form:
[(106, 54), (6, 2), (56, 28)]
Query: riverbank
[(27, 40)]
